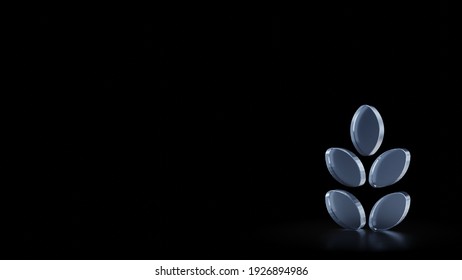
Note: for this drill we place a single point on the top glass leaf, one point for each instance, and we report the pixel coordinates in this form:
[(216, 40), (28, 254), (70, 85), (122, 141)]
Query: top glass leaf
[(367, 130)]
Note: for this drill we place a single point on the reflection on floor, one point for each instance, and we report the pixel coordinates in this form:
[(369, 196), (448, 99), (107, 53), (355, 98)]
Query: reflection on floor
[(366, 240)]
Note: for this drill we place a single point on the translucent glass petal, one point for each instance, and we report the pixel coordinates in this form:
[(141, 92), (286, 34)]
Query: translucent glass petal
[(345, 209), (345, 167), (389, 211), (367, 130), (389, 167)]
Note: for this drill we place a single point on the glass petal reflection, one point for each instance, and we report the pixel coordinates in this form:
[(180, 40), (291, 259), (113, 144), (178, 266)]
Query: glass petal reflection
[(389, 211), (345, 167), (345, 209), (367, 130), (389, 168)]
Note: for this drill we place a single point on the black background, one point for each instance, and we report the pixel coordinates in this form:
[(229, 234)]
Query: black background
[(199, 135)]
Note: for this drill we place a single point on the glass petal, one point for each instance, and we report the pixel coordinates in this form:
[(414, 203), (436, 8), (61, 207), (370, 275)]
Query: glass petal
[(389, 211), (367, 130), (345, 209), (389, 168), (345, 167)]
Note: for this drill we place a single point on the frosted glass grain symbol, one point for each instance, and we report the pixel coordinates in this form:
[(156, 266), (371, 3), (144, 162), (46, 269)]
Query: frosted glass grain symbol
[(345, 167), (345, 209), (389, 211), (367, 130), (389, 168)]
